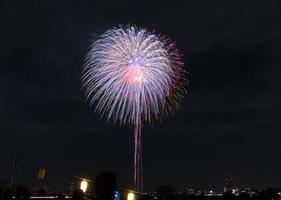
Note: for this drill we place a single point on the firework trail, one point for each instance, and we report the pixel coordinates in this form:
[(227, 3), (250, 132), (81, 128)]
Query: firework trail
[(133, 76)]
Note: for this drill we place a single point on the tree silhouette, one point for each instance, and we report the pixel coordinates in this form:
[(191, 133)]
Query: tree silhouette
[(105, 186)]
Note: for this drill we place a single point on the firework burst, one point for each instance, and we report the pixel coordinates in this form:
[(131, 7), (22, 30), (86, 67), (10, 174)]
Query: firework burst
[(133, 76)]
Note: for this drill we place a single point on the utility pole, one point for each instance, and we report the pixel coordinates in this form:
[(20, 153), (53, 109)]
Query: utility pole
[(13, 172)]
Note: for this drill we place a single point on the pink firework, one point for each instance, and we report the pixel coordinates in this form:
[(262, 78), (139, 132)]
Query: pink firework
[(133, 76)]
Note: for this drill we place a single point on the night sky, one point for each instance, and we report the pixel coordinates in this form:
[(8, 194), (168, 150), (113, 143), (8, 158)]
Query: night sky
[(229, 123)]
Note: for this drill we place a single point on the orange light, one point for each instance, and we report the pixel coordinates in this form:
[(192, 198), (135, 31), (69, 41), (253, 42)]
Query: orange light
[(131, 196), (84, 185)]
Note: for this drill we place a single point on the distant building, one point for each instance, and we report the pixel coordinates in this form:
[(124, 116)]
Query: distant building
[(228, 184), (190, 191)]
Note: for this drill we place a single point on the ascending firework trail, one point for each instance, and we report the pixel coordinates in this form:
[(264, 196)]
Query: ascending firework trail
[(133, 76)]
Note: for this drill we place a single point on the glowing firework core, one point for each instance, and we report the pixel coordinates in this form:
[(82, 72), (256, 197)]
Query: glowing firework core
[(133, 76)]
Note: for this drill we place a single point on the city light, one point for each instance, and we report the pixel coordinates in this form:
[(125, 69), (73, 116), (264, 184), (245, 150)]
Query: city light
[(131, 196), (41, 173), (83, 185), (117, 195)]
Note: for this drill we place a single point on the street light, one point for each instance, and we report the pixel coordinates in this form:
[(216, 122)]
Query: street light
[(131, 196), (84, 185)]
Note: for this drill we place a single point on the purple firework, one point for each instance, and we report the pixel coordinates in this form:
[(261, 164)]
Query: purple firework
[(133, 76)]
